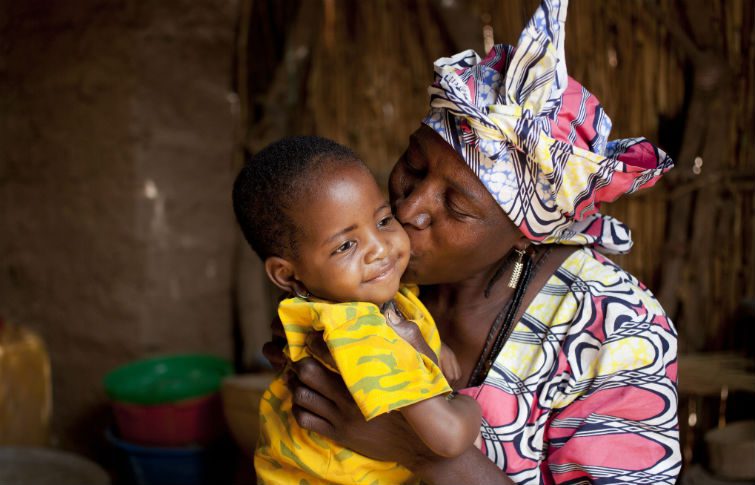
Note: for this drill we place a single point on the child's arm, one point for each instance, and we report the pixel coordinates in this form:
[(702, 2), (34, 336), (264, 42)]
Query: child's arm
[(447, 426), (409, 331)]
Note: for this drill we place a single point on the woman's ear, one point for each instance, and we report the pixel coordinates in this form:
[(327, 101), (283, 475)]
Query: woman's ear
[(281, 273), (522, 243)]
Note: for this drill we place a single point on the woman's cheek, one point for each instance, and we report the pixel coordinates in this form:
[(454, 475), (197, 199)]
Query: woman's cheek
[(402, 241), (418, 241)]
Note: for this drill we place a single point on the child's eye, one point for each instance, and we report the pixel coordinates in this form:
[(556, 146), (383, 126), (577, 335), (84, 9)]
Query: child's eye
[(344, 247), (385, 221)]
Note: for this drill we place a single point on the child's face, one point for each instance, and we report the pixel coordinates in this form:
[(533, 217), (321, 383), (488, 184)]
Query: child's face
[(351, 248)]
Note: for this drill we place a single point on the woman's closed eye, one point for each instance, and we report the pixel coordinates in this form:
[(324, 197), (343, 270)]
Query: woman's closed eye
[(456, 209), (412, 162), (412, 170)]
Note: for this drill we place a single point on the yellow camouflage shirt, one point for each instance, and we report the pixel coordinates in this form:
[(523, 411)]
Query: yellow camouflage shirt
[(381, 370)]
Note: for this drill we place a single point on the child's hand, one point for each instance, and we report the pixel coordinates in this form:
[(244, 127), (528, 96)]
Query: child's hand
[(409, 331), (449, 364), (478, 442)]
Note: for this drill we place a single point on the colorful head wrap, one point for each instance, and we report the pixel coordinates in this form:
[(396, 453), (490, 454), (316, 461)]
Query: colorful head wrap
[(537, 139)]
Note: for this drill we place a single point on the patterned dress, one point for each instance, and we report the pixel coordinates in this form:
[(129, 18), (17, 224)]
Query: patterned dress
[(584, 391), (382, 371)]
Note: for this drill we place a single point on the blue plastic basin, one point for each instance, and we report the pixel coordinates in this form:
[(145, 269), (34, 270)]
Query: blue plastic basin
[(187, 465)]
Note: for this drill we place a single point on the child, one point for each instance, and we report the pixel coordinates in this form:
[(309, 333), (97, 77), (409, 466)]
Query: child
[(314, 213)]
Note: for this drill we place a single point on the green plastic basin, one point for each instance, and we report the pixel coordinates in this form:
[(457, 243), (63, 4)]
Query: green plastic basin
[(166, 379)]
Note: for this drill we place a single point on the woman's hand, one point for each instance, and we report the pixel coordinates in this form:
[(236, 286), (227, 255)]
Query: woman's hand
[(322, 403), (273, 350)]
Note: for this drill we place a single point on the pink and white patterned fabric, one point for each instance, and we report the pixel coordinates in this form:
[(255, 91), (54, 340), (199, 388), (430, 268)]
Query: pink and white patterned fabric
[(537, 139), (584, 391)]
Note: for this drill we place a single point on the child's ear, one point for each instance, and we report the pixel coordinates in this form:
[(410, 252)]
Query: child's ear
[(281, 273)]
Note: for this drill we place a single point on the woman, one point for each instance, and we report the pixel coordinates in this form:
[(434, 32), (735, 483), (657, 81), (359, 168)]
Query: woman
[(572, 360)]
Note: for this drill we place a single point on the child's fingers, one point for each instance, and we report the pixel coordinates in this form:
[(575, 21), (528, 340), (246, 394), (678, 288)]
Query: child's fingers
[(455, 370), (449, 364), (478, 442)]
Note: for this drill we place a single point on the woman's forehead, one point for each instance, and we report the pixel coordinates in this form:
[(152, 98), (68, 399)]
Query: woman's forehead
[(442, 159), (435, 148), (424, 136)]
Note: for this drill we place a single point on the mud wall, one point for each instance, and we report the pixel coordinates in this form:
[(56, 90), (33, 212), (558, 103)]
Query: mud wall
[(116, 231)]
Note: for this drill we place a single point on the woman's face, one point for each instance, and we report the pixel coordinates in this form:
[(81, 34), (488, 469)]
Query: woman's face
[(456, 228)]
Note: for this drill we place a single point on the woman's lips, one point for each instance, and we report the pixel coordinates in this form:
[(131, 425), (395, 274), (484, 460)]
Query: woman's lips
[(414, 258)]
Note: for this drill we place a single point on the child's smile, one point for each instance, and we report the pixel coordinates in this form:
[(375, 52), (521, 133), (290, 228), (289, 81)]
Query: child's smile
[(383, 273)]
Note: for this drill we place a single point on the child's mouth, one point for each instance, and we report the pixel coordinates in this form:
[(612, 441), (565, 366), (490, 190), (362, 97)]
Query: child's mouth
[(383, 273)]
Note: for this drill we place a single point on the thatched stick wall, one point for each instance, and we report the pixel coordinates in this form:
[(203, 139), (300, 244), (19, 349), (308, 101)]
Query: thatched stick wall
[(680, 73)]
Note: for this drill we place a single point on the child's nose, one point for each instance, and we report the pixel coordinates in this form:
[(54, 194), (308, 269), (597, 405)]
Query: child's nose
[(378, 249)]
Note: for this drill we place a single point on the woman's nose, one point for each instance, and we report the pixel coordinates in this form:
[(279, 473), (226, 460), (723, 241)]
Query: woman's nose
[(412, 209)]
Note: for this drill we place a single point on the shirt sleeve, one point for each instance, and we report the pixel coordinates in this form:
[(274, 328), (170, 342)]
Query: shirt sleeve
[(617, 421), (382, 371)]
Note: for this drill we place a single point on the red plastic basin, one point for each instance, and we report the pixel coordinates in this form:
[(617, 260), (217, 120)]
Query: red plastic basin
[(197, 420)]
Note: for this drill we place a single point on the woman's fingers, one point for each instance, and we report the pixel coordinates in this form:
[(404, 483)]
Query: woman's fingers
[(307, 399), (313, 422), (317, 377), (322, 403), (321, 393), (276, 328), (317, 346), (273, 352)]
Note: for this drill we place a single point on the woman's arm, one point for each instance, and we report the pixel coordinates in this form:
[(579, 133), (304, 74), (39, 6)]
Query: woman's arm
[(322, 403)]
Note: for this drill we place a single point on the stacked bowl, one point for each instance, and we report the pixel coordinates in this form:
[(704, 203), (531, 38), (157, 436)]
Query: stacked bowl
[(169, 420)]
